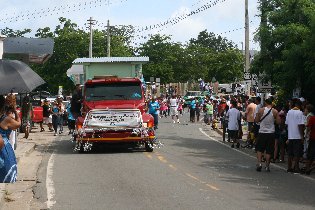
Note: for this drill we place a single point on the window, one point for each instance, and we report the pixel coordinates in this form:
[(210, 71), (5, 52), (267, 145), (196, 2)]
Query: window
[(113, 91)]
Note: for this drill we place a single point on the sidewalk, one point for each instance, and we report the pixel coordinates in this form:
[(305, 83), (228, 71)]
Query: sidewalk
[(24, 148), (28, 158)]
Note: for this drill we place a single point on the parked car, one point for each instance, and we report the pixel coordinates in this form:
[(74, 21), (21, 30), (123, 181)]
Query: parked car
[(189, 96)]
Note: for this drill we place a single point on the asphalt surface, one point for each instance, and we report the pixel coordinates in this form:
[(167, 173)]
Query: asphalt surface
[(193, 170)]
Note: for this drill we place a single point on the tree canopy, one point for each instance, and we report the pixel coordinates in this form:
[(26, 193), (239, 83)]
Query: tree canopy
[(206, 56), (287, 38)]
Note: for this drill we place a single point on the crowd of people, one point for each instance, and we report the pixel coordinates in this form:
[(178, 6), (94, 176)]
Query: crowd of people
[(272, 130), (13, 118)]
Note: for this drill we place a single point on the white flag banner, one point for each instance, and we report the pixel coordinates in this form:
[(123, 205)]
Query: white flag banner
[(114, 118)]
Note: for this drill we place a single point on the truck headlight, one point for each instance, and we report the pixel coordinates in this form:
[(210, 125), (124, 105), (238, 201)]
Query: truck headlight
[(145, 125)]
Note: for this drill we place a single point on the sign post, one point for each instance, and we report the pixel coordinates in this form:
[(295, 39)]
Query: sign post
[(158, 86), (264, 87)]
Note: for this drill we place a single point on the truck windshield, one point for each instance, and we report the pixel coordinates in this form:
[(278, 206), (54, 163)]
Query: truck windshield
[(113, 91)]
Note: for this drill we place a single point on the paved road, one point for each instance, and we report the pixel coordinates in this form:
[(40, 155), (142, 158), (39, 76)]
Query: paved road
[(191, 171)]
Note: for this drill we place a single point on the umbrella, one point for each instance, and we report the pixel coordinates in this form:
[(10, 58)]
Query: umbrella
[(18, 77)]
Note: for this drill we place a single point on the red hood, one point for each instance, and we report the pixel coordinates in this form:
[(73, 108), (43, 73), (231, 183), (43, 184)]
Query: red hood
[(117, 104)]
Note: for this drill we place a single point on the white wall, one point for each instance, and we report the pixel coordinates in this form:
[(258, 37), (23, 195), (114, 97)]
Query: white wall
[(1, 45)]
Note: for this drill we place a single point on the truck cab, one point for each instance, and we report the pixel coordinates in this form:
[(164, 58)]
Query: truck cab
[(114, 111)]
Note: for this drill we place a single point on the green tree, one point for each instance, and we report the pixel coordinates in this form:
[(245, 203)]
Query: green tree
[(215, 56), (14, 33), (286, 36), (162, 57)]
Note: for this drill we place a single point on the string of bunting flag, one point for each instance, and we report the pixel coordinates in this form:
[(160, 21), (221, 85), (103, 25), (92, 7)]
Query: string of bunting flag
[(59, 10), (139, 31)]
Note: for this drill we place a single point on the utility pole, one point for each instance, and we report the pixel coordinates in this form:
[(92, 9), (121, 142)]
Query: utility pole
[(91, 23), (247, 60), (108, 39), (263, 24)]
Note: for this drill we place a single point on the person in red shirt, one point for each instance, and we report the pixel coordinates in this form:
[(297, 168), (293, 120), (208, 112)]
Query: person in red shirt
[(221, 109), (311, 146)]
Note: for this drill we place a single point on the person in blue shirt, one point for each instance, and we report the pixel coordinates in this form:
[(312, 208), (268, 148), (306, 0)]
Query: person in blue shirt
[(71, 119), (193, 110), (154, 107)]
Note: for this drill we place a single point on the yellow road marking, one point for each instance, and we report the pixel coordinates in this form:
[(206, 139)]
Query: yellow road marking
[(148, 155), (162, 159), (172, 167), (202, 182), (191, 176), (213, 187)]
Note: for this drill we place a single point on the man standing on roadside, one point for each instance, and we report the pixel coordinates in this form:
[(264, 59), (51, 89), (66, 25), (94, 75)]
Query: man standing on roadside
[(76, 101), (295, 123), (234, 123), (258, 107), (267, 117), (249, 114)]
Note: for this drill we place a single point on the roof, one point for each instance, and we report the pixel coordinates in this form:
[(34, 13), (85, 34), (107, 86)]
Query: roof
[(111, 60), (29, 50), (113, 80)]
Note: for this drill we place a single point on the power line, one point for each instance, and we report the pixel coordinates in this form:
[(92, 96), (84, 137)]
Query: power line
[(59, 10), (173, 21)]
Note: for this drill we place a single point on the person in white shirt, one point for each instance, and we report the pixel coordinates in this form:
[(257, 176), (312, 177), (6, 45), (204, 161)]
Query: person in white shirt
[(234, 123), (295, 122), (174, 108)]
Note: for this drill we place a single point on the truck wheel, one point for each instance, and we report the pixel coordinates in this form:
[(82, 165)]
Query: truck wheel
[(223, 91), (148, 146)]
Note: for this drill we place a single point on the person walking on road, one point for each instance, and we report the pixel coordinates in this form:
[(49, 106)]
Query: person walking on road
[(174, 108), (267, 117), (57, 109), (27, 116), (46, 116), (71, 120), (192, 108), (295, 123), (9, 120), (154, 107), (234, 123)]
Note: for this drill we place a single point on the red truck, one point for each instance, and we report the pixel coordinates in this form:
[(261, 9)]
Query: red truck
[(114, 111)]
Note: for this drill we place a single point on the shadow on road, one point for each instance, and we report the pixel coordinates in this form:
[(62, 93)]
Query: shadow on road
[(231, 167)]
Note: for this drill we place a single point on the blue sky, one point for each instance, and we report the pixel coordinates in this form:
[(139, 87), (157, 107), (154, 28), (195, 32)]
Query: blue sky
[(224, 16)]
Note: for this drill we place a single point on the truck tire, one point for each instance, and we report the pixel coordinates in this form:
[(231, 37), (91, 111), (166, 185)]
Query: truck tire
[(223, 91), (148, 146)]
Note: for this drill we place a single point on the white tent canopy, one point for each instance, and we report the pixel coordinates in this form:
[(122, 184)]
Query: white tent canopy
[(75, 73), (75, 70)]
